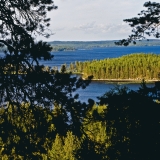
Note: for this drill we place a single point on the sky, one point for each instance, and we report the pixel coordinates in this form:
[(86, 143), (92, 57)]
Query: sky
[(92, 20)]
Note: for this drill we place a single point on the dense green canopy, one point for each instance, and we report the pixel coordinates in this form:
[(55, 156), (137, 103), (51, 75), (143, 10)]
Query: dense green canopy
[(133, 66)]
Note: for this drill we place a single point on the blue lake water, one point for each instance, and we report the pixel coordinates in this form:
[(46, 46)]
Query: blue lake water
[(98, 88), (97, 53)]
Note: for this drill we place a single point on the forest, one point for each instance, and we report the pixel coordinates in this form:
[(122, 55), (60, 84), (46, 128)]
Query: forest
[(40, 116), (32, 140), (117, 128), (133, 66)]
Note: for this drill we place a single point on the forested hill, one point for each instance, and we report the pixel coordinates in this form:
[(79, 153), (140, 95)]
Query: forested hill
[(73, 45), (132, 66)]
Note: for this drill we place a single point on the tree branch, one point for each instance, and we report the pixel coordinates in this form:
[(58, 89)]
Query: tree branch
[(8, 45)]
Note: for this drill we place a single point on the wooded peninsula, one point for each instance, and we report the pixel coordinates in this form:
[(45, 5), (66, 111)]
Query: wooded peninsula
[(129, 67)]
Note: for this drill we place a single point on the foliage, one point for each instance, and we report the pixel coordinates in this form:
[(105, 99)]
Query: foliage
[(94, 143), (146, 24), (43, 120), (132, 119), (36, 85), (133, 66), (26, 132), (64, 147), (34, 133), (89, 144), (93, 125), (19, 22)]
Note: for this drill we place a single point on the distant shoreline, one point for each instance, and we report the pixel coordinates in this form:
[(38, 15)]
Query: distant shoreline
[(74, 45)]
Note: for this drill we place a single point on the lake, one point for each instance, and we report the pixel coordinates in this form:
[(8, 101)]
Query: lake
[(97, 53), (98, 88)]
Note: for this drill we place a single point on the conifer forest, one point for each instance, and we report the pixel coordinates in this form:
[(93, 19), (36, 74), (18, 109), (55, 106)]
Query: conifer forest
[(40, 116)]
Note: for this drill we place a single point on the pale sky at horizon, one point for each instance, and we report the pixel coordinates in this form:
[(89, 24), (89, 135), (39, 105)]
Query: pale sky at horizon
[(91, 20)]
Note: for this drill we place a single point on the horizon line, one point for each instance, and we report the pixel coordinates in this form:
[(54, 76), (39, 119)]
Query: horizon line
[(93, 40)]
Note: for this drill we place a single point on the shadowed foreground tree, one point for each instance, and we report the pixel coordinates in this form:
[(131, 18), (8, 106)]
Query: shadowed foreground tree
[(24, 80), (133, 116), (132, 123), (26, 133)]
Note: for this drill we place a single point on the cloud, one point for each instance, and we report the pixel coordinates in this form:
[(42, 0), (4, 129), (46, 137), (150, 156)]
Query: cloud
[(121, 28), (95, 28), (59, 29), (85, 26), (93, 19)]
